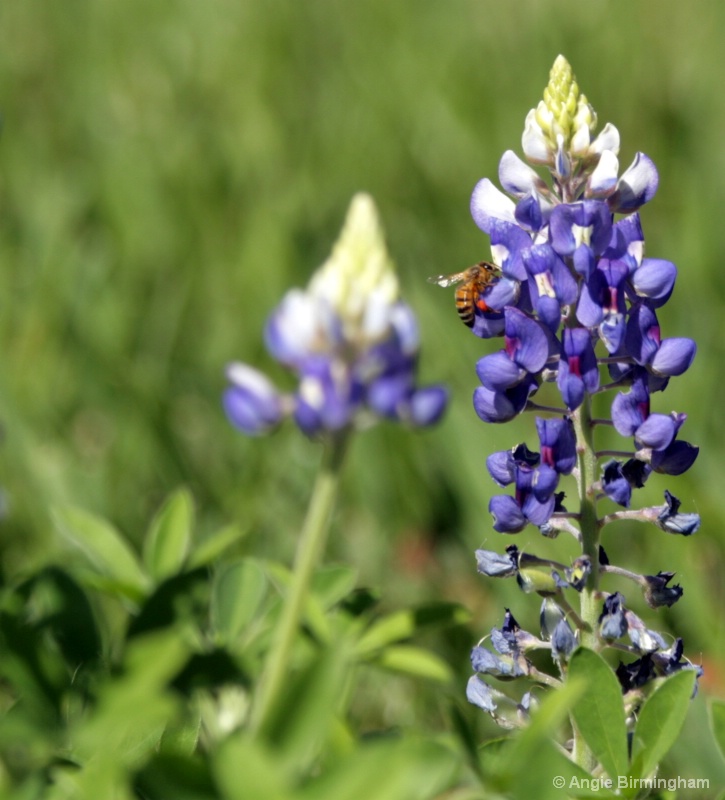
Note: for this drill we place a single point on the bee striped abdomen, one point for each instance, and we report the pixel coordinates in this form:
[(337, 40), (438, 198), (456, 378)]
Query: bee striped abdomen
[(465, 304)]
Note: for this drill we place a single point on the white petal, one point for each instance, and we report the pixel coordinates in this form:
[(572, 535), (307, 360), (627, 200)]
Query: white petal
[(603, 181), (534, 142), (488, 202), (608, 139), (517, 177)]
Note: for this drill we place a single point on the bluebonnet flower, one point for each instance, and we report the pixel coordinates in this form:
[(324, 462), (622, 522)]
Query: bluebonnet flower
[(575, 294), (350, 340)]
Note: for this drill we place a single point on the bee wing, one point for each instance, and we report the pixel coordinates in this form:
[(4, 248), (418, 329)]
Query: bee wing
[(446, 280)]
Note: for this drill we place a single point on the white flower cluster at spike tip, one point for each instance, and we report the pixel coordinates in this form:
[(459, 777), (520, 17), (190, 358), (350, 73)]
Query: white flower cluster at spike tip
[(559, 130), (358, 280)]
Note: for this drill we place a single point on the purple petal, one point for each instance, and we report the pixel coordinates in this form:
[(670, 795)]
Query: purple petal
[(480, 694), (627, 242), (615, 485), (674, 356), (657, 431), (507, 516), (626, 414), (427, 405), (526, 342), (538, 512), (501, 467), (655, 279), (546, 479), (252, 404), (642, 337), (508, 243), (675, 459), (498, 372)]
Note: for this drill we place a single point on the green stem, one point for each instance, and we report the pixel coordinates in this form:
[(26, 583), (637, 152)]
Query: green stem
[(589, 526), (309, 552)]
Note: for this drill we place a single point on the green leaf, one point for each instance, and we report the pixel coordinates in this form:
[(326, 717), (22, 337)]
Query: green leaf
[(331, 584), (245, 770), (403, 624), (415, 661), (104, 547), (209, 549), (717, 720), (304, 717), (237, 593), (169, 536), (528, 764), (599, 712), (660, 721), (388, 770)]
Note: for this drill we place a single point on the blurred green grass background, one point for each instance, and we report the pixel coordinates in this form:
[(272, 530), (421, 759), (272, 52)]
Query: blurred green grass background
[(168, 169)]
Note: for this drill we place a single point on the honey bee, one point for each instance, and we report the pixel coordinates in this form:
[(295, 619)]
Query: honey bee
[(469, 295)]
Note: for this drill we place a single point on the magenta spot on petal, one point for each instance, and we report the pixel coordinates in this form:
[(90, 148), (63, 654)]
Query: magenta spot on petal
[(575, 367), (547, 455)]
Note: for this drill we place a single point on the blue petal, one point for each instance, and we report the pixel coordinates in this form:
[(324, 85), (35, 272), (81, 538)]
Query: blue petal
[(674, 356), (480, 694), (526, 341), (675, 459), (498, 372), (501, 467), (427, 405), (657, 431), (507, 516), (655, 280)]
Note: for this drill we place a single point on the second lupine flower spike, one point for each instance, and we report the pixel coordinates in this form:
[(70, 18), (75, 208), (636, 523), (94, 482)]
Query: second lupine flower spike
[(349, 338)]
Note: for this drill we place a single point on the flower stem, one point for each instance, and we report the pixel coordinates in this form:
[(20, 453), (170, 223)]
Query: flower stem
[(589, 526), (309, 552)]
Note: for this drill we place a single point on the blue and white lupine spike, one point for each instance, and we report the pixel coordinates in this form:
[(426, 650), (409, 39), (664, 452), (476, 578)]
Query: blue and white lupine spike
[(252, 403), (637, 185)]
